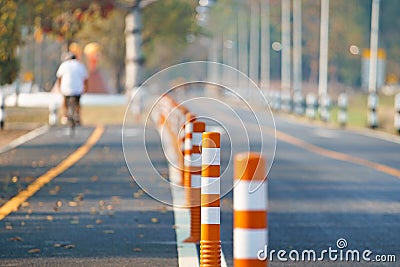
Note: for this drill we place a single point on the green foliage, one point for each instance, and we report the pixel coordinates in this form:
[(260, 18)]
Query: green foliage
[(166, 25), (9, 39)]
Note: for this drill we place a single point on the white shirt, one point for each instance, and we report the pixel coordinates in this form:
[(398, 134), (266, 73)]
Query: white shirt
[(73, 74)]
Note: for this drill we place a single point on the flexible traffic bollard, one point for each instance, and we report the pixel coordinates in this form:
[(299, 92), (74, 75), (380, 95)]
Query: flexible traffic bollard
[(325, 106), (312, 105), (298, 103), (195, 182), (52, 114), (187, 151), (342, 113), (210, 243), (372, 110), (250, 210), (397, 114), (2, 111)]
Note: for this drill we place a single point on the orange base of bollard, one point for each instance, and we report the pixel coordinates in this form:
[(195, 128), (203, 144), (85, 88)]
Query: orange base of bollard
[(210, 255), (249, 263)]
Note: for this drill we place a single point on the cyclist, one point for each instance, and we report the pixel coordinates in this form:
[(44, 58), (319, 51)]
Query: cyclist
[(72, 79)]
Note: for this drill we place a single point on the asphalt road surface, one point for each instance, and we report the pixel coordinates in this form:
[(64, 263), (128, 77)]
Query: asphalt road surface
[(325, 184)]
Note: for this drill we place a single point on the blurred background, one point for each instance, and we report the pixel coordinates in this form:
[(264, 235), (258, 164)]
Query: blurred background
[(278, 44)]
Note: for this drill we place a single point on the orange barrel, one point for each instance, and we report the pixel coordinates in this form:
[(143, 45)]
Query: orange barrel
[(210, 242), (250, 232), (195, 182)]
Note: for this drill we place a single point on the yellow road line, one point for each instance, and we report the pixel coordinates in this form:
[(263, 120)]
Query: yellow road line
[(337, 155), (13, 204)]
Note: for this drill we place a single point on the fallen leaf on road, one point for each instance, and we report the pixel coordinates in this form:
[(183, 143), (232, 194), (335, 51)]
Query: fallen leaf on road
[(14, 179), (25, 204), (94, 178), (138, 194), (141, 226), (73, 204), (137, 249), (116, 200), (79, 197), (90, 226), (16, 238), (98, 221), (154, 220), (9, 227), (108, 232), (93, 210), (69, 246), (163, 209), (34, 250), (59, 203), (49, 218)]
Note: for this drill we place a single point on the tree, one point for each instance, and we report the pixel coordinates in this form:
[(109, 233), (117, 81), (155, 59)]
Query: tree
[(9, 40)]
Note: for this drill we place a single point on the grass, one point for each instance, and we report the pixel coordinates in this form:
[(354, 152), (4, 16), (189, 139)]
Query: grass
[(91, 115), (357, 112)]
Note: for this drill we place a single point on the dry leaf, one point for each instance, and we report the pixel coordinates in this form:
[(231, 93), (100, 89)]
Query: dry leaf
[(98, 221), (16, 238), (93, 210), (49, 218), (94, 178), (25, 204), (137, 249), (90, 226), (154, 220), (73, 204), (34, 250)]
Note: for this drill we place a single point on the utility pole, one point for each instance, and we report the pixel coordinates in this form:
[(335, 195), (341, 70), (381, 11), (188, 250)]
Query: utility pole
[(265, 46), (323, 61), (254, 40), (373, 60), (297, 46), (285, 63), (133, 38)]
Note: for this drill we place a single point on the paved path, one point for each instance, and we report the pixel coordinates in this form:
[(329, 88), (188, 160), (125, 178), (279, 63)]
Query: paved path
[(324, 184), (93, 214)]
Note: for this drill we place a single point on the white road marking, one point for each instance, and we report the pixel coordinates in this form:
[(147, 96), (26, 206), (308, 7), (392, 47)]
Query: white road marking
[(25, 138), (187, 252)]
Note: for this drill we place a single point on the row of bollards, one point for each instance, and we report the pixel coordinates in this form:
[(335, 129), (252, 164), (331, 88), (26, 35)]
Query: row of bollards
[(312, 106), (201, 179)]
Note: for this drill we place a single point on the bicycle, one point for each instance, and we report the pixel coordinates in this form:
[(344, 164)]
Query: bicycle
[(72, 103)]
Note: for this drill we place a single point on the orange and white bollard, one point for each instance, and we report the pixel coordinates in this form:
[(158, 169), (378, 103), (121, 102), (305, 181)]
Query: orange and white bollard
[(210, 243), (194, 192), (250, 231), (187, 158)]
